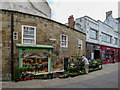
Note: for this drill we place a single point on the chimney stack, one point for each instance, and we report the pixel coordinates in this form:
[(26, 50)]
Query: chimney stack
[(108, 14), (71, 21)]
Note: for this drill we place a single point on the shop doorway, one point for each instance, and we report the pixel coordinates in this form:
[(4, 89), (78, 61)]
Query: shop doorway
[(65, 64), (119, 56), (96, 54), (109, 56)]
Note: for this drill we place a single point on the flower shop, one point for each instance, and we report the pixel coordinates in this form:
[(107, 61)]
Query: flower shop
[(33, 60)]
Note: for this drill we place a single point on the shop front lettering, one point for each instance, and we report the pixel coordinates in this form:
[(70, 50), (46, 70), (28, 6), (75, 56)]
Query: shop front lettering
[(37, 50)]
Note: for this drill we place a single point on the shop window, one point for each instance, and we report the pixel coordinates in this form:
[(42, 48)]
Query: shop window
[(103, 55), (93, 34), (115, 41), (28, 34), (106, 38), (64, 41), (79, 44)]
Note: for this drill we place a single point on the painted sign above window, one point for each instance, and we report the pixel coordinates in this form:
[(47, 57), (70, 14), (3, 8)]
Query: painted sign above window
[(28, 34)]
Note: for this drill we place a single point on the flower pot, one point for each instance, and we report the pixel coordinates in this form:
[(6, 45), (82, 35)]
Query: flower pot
[(24, 79), (21, 79), (28, 79), (31, 78)]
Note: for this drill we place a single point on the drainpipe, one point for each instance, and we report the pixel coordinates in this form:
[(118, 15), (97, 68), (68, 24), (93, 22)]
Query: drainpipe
[(12, 48)]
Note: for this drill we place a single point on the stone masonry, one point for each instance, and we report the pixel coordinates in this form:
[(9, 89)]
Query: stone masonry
[(46, 29)]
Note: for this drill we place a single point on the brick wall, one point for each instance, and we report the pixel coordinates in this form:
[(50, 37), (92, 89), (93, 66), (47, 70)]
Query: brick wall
[(45, 29)]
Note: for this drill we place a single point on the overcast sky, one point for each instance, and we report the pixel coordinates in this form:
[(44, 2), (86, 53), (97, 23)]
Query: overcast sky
[(96, 9)]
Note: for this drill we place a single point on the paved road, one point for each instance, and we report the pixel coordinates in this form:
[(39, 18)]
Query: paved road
[(105, 78), (105, 81)]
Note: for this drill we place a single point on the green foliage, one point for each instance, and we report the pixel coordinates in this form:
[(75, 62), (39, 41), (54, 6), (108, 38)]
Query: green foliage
[(38, 77), (73, 74), (28, 68), (17, 73)]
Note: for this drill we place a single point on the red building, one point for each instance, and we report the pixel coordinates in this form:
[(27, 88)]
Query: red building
[(109, 54)]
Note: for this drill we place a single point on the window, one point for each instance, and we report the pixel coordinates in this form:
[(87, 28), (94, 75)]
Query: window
[(79, 44), (119, 42), (93, 34), (28, 34), (106, 38), (64, 41), (115, 41)]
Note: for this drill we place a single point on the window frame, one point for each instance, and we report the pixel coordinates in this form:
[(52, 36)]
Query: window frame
[(91, 29), (79, 44), (115, 43), (119, 42), (106, 38), (29, 39), (61, 41)]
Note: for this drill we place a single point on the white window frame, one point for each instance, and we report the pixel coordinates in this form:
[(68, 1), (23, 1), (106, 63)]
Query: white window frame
[(119, 42), (79, 44), (116, 41), (96, 34), (105, 38), (61, 41), (34, 34)]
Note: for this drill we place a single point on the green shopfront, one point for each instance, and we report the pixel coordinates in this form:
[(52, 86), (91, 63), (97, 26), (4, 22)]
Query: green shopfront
[(35, 56)]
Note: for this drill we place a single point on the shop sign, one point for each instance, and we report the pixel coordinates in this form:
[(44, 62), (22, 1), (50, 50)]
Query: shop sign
[(52, 39), (39, 50)]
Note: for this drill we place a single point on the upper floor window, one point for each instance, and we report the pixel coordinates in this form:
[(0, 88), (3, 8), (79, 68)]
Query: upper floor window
[(64, 40), (28, 34), (115, 41), (119, 42), (79, 44), (106, 38), (93, 34)]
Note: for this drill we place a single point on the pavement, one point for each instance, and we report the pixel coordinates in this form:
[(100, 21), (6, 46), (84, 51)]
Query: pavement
[(105, 78)]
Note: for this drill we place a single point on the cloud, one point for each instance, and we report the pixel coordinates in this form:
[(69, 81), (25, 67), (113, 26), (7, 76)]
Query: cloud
[(62, 9)]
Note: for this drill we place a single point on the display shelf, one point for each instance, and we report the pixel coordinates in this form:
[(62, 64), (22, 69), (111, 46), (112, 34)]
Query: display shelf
[(41, 73), (75, 67), (40, 65)]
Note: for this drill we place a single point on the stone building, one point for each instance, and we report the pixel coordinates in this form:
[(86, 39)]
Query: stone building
[(37, 37)]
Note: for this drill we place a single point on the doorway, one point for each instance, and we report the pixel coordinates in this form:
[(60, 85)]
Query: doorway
[(96, 54)]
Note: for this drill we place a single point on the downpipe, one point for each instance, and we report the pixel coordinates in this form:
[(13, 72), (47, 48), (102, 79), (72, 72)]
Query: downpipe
[(12, 47)]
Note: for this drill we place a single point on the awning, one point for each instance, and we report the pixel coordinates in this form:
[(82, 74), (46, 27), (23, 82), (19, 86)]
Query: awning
[(35, 46)]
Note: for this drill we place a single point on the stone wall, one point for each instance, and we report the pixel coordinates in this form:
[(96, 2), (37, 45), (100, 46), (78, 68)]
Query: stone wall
[(46, 29)]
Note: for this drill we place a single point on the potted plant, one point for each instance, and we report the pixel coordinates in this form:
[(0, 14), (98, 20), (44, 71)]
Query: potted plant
[(21, 79), (31, 77), (25, 79), (17, 74)]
